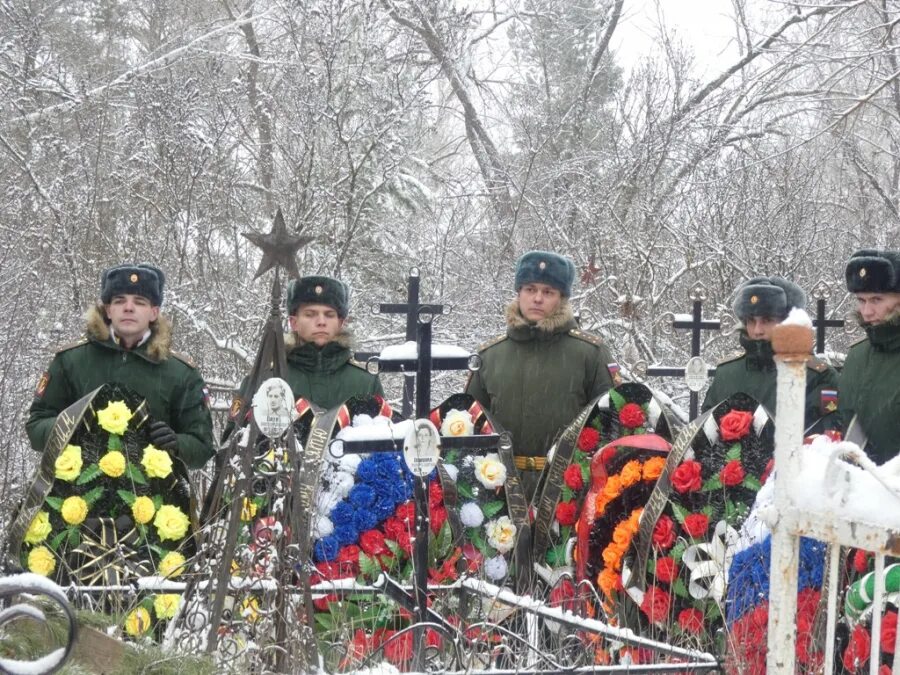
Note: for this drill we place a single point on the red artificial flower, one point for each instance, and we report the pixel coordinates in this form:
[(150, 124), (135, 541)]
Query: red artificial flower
[(359, 648), (664, 533), (608, 453), (696, 524), (691, 620), (573, 478), (861, 561), (656, 604), (473, 557), (884, 670), (399, 649), (888, 632), (666, 569), (735, 425), (348, 560), (732, 473), (435, 494), (631, 415), (372, 543), (567, 513), (321, 603), (433, 638), (563, 595), (687, 477), (856, 653), (768, 470), (588, 439), (393, 527), (438, 516), (328, 571), (406, 512), (404, 541)]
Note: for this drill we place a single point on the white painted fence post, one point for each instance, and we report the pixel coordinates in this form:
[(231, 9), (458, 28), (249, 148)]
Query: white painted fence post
[(788, 342)]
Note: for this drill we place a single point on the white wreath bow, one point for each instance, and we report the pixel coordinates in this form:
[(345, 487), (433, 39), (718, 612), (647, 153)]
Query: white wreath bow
[(709, 563)]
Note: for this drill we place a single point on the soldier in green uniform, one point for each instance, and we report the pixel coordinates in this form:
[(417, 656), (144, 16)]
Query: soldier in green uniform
[(539, 375), (128, 341), (761, 303), (321, 368), (870, 380)]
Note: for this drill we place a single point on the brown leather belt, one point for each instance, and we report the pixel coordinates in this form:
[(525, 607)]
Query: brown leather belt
[(530, 463)]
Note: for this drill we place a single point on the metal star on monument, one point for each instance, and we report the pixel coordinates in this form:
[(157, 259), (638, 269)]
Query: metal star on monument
[(279, 248)]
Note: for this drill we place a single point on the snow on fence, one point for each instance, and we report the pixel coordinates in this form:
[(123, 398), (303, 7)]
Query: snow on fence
[(819, 494)]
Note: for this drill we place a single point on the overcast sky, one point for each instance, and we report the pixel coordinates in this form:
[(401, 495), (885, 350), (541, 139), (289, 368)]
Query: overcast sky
[(706, 25)]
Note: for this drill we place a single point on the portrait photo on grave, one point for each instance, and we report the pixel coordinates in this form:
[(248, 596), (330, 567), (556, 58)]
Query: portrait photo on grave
[(421, 447), (273, 407)]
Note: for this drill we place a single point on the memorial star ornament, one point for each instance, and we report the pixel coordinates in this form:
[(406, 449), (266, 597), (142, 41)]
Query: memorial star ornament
[(279, 248)]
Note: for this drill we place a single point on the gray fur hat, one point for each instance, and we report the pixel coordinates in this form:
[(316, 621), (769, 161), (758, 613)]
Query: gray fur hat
[(767, 296), (873, 271), (141, 279), (544, 267), (319, 290)]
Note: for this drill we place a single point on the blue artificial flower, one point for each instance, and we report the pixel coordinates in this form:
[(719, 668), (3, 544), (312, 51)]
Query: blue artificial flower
[(365, 519), (748, 578), (326, 549), (361, 496), (346, 534), (367, 471), (342, 514), (383, 507)]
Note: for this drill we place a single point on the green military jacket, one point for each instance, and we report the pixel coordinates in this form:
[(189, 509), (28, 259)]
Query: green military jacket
[(753, 373), (535, 379), (325, 376), (171, 385), (870, 389)]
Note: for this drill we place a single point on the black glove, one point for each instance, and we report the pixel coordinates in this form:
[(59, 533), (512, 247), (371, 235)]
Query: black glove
[(162, 436)]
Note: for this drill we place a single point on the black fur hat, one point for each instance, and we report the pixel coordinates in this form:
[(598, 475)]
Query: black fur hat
[(768, 296), (319, 290), (141, 279), (873, 271), (543, 267)]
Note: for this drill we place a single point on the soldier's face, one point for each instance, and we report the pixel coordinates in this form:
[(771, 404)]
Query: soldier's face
[(130, 316), (876, 308), (319, 324), (760, 327), (538, 301)]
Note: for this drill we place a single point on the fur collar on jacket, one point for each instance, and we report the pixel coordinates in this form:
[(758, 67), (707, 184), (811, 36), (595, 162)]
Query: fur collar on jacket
[(158, 346), (561, 319), (292, 340)]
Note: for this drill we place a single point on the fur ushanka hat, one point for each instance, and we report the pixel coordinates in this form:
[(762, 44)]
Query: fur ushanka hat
[(135, 279), (768, 296), (873, 271), (543, 267), (319, 290)]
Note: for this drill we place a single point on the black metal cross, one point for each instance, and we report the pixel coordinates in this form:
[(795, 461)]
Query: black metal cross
[(411, 308), (696, 324), (821, 292), (423, 364)]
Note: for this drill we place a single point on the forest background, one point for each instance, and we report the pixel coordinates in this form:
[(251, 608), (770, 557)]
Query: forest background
[(449, 136)]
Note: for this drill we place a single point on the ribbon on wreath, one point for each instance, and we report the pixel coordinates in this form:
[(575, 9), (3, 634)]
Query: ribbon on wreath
[(709, 563)]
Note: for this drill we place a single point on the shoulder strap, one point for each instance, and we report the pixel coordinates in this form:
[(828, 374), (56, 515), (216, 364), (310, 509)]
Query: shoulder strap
[(184, 358), (71, 345), (817, 364), (595, 340), (490, 343), (732, 357)]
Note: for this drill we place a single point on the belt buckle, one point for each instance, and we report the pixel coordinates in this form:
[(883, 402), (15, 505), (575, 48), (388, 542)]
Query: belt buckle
[(530, 464)]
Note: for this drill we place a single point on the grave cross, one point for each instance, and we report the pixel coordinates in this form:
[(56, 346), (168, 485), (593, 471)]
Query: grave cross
[(423, 365), (411, 308), (821, 292), (695, 366)]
